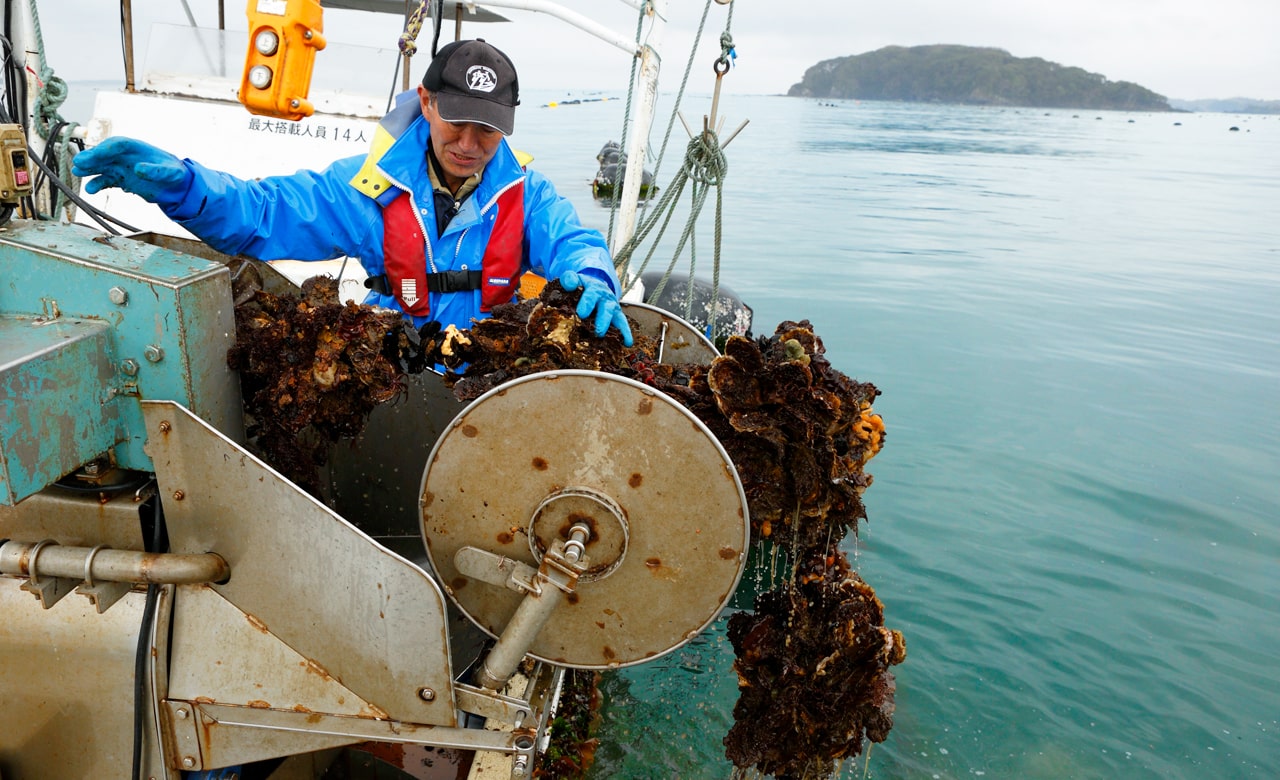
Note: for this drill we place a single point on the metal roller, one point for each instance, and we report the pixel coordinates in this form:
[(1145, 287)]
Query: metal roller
[(598, 493), (678, 341)]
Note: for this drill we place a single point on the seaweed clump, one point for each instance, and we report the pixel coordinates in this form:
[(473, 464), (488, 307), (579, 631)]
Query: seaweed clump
[(571, 748), (813, 657), (311, 371)]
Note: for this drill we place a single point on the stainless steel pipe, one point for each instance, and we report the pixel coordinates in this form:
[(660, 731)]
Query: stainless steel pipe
[(102, 564)]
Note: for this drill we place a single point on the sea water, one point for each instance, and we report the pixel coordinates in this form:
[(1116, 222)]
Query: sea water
[(1073, 318)]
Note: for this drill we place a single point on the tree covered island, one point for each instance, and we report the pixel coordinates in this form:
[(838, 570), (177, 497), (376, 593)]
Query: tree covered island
[(970, 75)]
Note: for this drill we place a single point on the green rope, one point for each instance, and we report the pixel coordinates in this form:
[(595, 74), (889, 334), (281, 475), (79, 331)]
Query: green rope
[(615, 197), (50, 97), (705, 167)]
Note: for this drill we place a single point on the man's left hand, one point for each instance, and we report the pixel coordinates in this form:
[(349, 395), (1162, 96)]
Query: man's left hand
[(598, 296)]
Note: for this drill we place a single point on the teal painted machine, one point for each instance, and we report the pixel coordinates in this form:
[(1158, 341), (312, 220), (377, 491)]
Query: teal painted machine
[(275, 630), (91, 326)]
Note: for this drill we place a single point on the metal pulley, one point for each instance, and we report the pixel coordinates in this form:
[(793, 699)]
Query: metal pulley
[(585, 519)]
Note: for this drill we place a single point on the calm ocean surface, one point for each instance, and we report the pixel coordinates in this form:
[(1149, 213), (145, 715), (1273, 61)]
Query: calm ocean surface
[(1073, 317)]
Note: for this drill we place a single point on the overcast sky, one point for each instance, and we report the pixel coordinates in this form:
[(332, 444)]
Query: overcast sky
[(1182, 49)]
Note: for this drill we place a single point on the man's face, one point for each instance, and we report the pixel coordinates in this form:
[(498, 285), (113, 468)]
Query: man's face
[(462, 148)]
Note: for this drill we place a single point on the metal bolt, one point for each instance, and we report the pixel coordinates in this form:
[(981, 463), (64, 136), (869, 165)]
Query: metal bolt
[(118, 295), (293, 103), (307, 35), (182, 713), (129, 366), (91, 468), (153, 353), (188, 762), (426, 694), (165, 427), (178, 495)]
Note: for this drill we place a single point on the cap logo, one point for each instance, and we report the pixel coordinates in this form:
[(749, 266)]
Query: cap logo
[(481, 78)]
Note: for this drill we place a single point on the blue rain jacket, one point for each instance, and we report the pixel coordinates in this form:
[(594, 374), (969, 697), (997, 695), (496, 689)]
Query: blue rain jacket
[(322, 215)]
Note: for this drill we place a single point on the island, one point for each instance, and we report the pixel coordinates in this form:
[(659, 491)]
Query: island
[(970, 75)]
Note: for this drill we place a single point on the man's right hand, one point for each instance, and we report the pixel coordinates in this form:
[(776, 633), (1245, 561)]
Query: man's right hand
[(150, 173)]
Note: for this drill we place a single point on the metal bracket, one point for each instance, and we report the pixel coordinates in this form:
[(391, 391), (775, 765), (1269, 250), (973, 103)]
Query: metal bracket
[(491, 705), (49, 590), (184, 725), (497, 570), (101, 594)]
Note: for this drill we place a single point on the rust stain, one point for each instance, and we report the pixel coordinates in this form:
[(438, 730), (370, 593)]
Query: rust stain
[(505, 537), (316, 669), (470, 431), (540, 464), (574, 519), (635, 480), (314, 718), (428, 498), (458, 583), (645, 407), (300, 708), (204, 700), (259, 704), (728, 553), (572, 598), (600, 623), (608, 652), (653, 563), (256, 622), (374, 711)]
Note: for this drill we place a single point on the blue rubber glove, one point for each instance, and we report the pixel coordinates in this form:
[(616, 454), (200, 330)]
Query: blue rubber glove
[(598, 296), (133, 166)]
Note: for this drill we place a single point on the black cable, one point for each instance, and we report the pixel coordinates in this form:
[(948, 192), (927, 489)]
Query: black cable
[(50, 159), (439, 22), (8, 107), (395, 79), (144, 645)]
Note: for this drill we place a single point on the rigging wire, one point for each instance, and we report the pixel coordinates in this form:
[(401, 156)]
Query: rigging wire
[(704, 168)]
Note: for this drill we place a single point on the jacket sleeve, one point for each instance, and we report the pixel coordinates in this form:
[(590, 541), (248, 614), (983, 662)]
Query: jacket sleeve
[(305, 216), (556, 239)]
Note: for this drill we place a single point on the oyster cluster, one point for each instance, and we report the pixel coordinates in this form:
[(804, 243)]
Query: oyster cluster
[(311, 371), (813, 656), (526, 337)]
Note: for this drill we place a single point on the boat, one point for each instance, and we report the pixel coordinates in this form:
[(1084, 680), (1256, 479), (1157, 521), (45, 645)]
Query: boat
[(606, 183), (173, 606)]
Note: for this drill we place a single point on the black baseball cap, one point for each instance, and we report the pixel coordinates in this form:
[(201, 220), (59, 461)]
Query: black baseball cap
[(474, 82)]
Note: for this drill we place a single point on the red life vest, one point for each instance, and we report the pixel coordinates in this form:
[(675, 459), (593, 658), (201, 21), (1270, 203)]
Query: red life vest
[(405, 262)]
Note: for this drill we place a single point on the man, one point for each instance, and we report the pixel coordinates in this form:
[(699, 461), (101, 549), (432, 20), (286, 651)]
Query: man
[(440, 212)]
